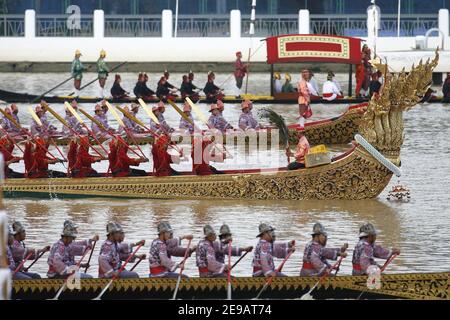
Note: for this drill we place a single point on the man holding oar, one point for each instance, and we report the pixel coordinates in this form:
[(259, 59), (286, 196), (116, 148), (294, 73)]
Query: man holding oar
[(110, 257), (226, 238), (20, 253), (84, 160), (163, 248), (75, 125), (315, 256), (6, 149), (44, 128), (130, 125), (103, 71), (162, 126), (8, 124), (366, 250), (63, 252), (208, 264), (213, 92), (186, 125), (77, 72), (266, 249)]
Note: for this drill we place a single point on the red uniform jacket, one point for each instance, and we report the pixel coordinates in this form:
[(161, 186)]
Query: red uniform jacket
[(161, 160), (123, 162), (203, 168), (83, 164)]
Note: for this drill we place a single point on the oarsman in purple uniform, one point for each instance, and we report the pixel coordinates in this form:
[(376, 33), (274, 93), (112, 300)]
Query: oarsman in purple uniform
[(73, 122), (46, 127), (216, 120), (266, 250), (366, 250), (184, 124), (315, 256), (7, 124), (63, 252), (130, 125), (206, 255), (246, 119), (112, 253), (10, 260), (20, 251), (163, 126), (221, 247), (101, 117), (161, 251)]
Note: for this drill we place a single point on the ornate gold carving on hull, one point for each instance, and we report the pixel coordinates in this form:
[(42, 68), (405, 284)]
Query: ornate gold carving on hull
[(356, 176), (382, 124), (406, 286)]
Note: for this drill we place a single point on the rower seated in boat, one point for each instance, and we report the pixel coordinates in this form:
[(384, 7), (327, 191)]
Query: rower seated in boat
[(266, 249), (101, 117), (246, 119), (130, 125), (20, 251), (366, 250), (287, 86), (163, 126), (167, 83), (216, 120), (9, 125), (117, 92), (206, 256), (315, 255), (330, 90), (313, 86), (164, 92), (7, 149), (203, 151), (46, 128), (187, 89), (123, 163), (161, 157), (300, 152), (225, 240), (61, 261), (163, 248), (83, 164), (141, 90), (212, 92), (40, 162), (185, 124), (75, 126), (112, 253)]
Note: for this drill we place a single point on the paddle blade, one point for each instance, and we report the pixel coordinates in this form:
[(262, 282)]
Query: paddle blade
[(131, 117), (115, 114), (307, 296), (197, 111), (73, 112), (34, 115), (277, 120), (148, 111), (181, 113)]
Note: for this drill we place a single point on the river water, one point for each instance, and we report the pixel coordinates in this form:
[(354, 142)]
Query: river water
[(418, 227)]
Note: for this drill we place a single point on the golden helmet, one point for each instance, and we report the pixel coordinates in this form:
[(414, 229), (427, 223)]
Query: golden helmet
[(277, 75), (103, 53), (287, 76), (77, 52)]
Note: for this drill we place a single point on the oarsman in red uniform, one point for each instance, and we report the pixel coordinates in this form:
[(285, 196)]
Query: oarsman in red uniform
[(123, 163), (240, 69), (72, 155), (39, 168), (83, 165), (6, 149), (162, 159), (201, 156), (112, 155)]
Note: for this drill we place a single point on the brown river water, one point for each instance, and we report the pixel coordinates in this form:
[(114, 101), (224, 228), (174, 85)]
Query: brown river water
[(418, 227)]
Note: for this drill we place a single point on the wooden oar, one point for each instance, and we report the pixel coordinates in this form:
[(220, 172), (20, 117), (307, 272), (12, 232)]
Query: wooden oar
[(34, 261), (118, 274), (229, 272), (67, 125), (129, 134), (90, 256), (65, 282), (388, 261), (269, 281), (307, 296), (181, 270), (10, 118), (181, 113), (136, 264), (239, 260), (10, 139), (22, 262), (55, 87), (91, 82), (77, 116)]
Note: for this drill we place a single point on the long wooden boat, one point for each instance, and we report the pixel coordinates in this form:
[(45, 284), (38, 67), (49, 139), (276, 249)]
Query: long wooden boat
[(424, 286), (15, 97), (337, 130), (356, 174)]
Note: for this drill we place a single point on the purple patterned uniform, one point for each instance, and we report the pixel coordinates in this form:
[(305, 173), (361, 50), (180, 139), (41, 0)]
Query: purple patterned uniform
[(315, 259), (19, 252), (103, 119), (46, 126), (222, 250), (74, 124), (9, 126), (160, 256), (206, 257), (364, 254), (62, 256), (11, 263), (110, 257), (130, 125), (163, 126), (218, 122), (246, 121), (184, 124), (263, 256)]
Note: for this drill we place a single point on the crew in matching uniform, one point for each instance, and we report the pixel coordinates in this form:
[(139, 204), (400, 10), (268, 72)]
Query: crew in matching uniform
[(161, 157), (206, 256), (9, 125), (46, 129), (164, 91), (130, 125), (163, 248), (203, 152), (38, 167), (123, 163), (84, 160), (266, 249), (117, 92), (315, 255), (7, 150), (225, 245), (103, 71), (246, 119), (141, 90), (287, 86), (188, 89), (216, 120), (77, 69), (366, 250), (74, 124), (212, 92), (184, 124), (163, 126)]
